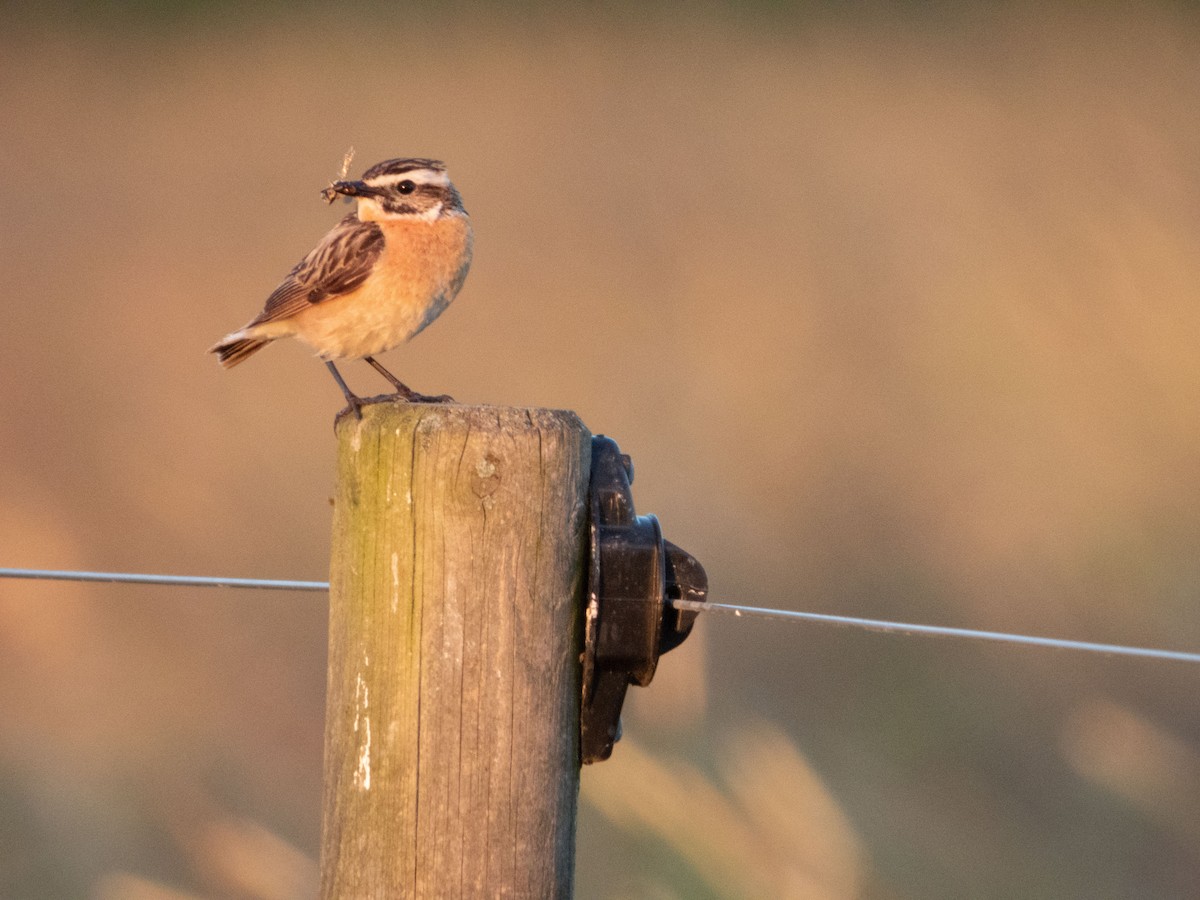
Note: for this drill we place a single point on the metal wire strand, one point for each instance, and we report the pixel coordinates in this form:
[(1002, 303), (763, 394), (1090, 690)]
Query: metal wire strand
[(180, 580), (937, 630), (690, 605)]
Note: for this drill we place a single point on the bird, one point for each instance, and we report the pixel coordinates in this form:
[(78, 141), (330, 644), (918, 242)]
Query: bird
[(378, 278)]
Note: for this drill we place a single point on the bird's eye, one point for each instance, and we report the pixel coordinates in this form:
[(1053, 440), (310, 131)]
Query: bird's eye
[(405, 187)]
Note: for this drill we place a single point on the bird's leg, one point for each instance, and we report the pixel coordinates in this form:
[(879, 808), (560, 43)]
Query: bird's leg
[(355, 403), (403, 390)]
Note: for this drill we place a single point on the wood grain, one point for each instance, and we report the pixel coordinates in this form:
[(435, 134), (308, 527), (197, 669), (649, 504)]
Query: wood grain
[(456, 581)]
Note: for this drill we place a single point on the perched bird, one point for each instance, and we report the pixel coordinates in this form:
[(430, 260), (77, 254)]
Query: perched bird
[(377, 278)]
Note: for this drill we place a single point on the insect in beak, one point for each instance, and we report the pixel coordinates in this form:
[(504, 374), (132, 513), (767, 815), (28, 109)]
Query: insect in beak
[(349, 189)]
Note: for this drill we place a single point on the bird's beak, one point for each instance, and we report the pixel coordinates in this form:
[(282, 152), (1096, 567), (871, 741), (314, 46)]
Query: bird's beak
[(349, 189)]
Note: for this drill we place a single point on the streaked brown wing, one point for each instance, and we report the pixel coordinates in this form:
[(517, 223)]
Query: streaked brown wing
[(337, 265)]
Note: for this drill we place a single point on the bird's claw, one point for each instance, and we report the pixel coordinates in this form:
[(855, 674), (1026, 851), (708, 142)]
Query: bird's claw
[(414, 397)]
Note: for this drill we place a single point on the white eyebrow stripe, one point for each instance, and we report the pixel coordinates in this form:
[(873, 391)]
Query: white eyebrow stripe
[(420, 176)]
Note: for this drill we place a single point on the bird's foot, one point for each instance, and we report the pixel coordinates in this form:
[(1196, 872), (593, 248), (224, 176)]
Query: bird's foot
[(353, 406), (403, 391), (414, 397)]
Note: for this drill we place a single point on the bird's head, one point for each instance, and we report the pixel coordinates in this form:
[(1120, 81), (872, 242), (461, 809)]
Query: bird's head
[(401, 189)]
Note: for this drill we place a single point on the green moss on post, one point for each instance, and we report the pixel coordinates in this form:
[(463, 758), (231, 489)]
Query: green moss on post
[(456, 581)]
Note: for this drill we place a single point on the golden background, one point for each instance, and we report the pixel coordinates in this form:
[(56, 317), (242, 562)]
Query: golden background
[(894, 308)]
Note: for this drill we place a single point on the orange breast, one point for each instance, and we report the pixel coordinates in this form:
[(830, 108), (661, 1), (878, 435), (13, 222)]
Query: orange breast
[(420, 271)]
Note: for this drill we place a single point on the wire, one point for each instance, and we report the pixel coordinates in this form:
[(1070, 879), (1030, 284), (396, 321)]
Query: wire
[(688, 605), (182, 580), (935, 630)]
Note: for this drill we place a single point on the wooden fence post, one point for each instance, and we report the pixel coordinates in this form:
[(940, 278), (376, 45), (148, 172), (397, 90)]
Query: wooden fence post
[(456, 581)]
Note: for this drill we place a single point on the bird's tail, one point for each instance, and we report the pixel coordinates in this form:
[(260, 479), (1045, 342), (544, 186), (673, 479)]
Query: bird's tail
[(235, 348)]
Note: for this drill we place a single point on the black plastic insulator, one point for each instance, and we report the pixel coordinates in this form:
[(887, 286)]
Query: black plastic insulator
[(629, 620)]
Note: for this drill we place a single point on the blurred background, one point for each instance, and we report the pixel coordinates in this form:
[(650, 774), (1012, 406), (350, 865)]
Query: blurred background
[(894, 307)]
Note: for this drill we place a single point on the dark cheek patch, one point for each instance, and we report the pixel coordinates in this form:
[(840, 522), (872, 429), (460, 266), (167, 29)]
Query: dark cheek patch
[(425, 197)]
